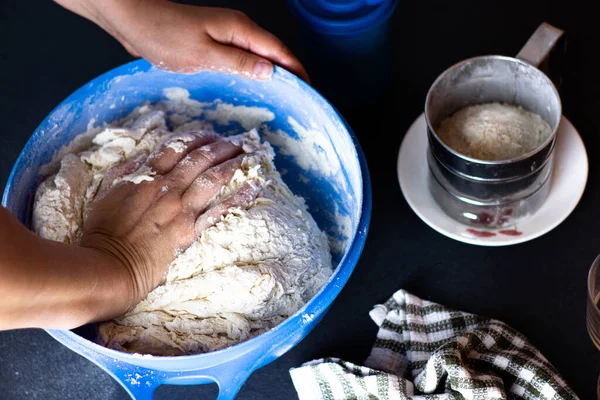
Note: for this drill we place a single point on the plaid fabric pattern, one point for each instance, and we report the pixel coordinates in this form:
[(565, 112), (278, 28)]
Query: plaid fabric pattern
[(425, 351)]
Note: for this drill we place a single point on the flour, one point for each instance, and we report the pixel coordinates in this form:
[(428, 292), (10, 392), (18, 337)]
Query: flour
[(248, 117), (242, 277), (181, 104), (143, 174), (494, 131), (310, 150)]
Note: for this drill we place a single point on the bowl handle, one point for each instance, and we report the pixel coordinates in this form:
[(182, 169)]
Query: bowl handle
[(229, 376), (230, 379), (140, 383)]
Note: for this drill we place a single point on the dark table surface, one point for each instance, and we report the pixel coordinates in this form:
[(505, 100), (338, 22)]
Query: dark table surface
[(538, 287)]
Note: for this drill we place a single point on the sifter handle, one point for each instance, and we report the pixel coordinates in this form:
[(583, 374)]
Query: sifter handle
[(539, 44)]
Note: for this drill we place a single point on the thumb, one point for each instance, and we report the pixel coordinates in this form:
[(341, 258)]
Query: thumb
[(240, 62)]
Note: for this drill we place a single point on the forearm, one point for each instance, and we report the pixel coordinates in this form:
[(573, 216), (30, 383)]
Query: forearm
[(47, 284)]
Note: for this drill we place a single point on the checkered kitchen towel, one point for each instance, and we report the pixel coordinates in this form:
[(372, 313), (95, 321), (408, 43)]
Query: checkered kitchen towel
[(427, 351)]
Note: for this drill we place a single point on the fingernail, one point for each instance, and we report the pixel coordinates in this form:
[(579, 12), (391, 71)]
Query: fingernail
[(263, 70)]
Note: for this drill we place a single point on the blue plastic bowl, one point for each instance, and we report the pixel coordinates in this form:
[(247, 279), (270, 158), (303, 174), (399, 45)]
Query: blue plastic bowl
[(330, 172)]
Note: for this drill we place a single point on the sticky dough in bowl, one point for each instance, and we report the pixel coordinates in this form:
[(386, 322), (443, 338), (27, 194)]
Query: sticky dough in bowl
[(316, 152)]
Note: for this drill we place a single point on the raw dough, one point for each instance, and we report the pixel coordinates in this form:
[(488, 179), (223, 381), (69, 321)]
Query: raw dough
[(244, 275)]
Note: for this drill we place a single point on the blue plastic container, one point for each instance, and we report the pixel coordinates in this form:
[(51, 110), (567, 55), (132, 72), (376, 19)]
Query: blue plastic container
[(347, 46), (332, 175)]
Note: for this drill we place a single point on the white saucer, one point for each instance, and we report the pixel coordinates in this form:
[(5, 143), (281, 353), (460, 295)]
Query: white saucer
[(568, 182)]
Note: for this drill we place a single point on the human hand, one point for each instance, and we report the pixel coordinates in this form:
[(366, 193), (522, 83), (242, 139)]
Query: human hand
[(188, 39), (143, 226)]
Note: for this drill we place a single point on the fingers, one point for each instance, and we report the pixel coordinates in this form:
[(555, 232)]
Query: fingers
[(119, 171), (240, 198), (245, 34), (170, 153), (200, 160), (206, 186), (240, 62)]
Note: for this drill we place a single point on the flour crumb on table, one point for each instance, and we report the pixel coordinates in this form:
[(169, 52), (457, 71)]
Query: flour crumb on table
[(494, 131), (243, 276)]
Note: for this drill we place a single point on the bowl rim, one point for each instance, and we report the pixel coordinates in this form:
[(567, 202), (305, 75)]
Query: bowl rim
[(317, 305)]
